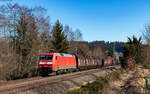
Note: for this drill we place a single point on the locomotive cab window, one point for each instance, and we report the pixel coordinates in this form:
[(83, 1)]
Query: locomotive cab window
[(46, 57)]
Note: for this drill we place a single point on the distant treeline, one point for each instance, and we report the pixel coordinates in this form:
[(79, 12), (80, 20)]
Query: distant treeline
[(108, 46), (117, 46)]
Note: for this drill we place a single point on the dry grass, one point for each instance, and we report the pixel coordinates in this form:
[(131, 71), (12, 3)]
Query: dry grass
[(140, 84), (99, 85), (114, 87)]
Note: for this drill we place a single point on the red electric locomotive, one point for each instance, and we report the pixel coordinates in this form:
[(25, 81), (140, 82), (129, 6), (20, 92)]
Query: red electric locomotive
[(55, 62)]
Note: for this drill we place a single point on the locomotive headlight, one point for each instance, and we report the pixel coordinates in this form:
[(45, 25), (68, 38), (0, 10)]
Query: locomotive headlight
[(49, 62), (41, 63)]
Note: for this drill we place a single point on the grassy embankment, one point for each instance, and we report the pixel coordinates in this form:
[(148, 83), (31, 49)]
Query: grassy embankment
[(98, 85)]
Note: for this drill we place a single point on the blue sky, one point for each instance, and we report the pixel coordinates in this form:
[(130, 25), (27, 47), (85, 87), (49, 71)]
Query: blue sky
[(109, 20)]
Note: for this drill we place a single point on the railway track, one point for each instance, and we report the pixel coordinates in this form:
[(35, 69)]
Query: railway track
[(13, 87)]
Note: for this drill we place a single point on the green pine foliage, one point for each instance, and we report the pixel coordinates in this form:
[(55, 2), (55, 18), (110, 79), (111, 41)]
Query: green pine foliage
[(59, 40), (133, 48)]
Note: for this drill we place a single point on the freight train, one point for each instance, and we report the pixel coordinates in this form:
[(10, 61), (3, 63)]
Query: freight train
[(61, 62)]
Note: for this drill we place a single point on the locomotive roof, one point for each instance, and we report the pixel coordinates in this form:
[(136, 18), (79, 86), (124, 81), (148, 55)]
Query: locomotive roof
[(59, 54), (46, 53)]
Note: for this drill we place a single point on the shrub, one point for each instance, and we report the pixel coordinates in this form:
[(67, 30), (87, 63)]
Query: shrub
[(130, 63)]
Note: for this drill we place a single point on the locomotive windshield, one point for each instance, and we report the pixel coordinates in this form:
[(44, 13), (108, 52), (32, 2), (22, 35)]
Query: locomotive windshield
[(46, 57)]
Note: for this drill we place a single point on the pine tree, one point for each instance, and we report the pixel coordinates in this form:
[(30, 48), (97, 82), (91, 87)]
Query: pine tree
[(133, 48), (60, 43)]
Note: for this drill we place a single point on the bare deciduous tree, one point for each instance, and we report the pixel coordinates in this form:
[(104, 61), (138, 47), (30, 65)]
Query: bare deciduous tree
[(146, 34), (78, 35), (146, 47), (21, 28)]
